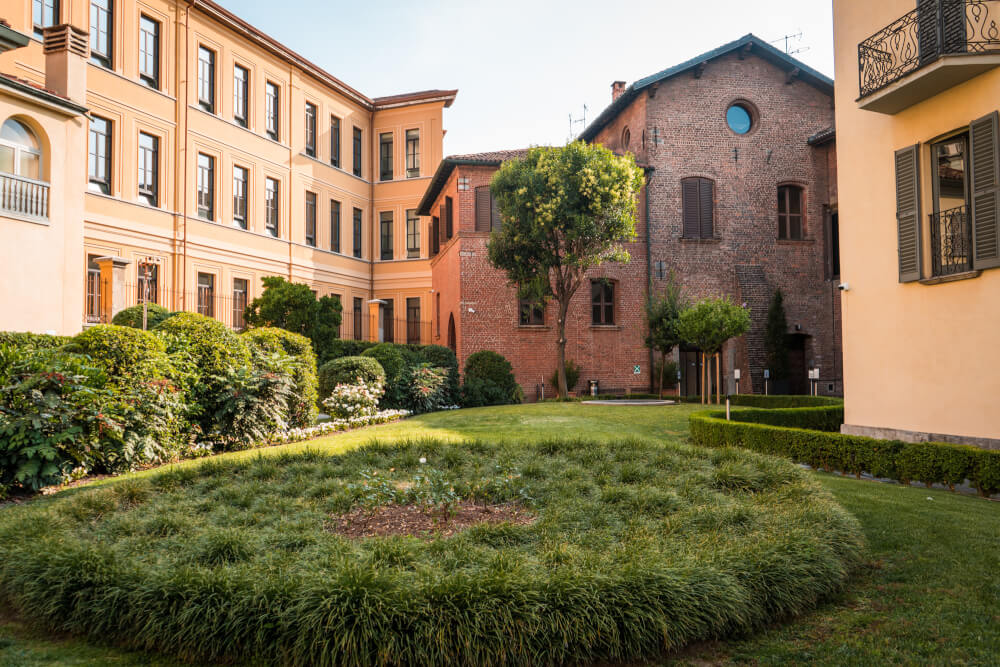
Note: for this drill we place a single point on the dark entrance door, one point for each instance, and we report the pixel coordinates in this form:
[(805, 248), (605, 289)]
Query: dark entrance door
[(691, 372), (451, 333), (798, 379)]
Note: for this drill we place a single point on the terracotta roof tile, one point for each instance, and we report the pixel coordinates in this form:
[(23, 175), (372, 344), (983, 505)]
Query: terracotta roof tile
[(404, 98)]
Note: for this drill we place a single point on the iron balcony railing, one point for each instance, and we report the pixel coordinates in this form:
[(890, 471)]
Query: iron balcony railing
[(935, 28), (951, 242), (24, 197)]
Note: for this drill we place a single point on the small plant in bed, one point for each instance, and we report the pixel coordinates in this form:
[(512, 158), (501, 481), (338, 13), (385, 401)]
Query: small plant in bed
[(603, 551)]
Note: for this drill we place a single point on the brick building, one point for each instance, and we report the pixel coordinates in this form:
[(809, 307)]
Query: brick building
[(741, 200)]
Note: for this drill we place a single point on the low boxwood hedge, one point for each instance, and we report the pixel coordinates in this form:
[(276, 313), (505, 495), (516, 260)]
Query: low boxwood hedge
[(930, 463), (772, 402), (32, 341), (826, 418)]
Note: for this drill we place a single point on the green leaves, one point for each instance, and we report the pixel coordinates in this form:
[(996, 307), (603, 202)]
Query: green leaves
[(711, 322), (294, 307)]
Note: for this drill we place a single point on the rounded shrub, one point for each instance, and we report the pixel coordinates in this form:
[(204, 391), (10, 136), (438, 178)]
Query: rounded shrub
[(349, 370), (440, 356), (132, 316), (124, 353), (269, 341), (342, 347), (390, 357), (32, 341), (489, 380)]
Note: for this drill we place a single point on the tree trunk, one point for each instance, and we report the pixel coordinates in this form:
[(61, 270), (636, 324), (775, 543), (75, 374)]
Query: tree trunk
[(704, 377), (718, 378), (561, 346), (663, 362)]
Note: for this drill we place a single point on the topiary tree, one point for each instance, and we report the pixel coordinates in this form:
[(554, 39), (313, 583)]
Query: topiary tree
[(489, 380), (303, 393), (348, 370), (776, 337), (132, 316), (662, 315), (708, 325), (294, 307), (565, 211), (393, 360)]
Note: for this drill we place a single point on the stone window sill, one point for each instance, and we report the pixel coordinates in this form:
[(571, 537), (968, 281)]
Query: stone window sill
[(606, 327), (534, 327), (796, 241), (955, 277), (688, 239)]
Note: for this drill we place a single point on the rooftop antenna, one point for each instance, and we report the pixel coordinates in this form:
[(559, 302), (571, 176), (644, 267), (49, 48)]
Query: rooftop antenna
[(788, 40), (573, 122)]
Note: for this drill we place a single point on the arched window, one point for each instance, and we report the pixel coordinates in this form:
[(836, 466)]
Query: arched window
[(626, 139), (790, 213), (20, 152)]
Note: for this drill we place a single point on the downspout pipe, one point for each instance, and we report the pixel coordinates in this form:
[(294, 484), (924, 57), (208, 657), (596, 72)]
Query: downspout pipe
[(371, 213), (649, 272), (185, 165)]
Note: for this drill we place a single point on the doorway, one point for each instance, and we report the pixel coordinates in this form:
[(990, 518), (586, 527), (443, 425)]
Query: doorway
[(691, 372), (798, 381)]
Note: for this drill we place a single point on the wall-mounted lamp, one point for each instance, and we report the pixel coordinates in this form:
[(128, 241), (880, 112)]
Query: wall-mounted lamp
[(472, 310)]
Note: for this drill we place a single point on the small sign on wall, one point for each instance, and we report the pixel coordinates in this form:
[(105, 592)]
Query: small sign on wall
[(637, 370)]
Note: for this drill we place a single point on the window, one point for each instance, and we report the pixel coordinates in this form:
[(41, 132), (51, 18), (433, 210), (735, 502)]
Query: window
[(437, 313), (20, 152), (272, 100), (357, 152), (271, 206), (335, 141), (44, 14), (93, 313), (149, 52), (833, 244), (148, 279), (241, 95), (99, 155), (357, 232), (602, 301), (487, 215), (739, 118), (206, 79), (334, 225), (101, 27), (790, 212), (311, 219), (388, 316), (464, 183), (310, 129), (412, 234), (239, 303), (241, 178), (206, 294), (449, 216), (385, 156), (149, 161), (626, 139), (413, 320), (357, 318), (385, 234), (206, 186), (697, 206), (532, 313), (412, 153), (435, 236)]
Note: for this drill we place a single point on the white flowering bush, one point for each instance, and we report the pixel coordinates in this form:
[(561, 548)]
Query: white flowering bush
[(349, 401), (334, 425)]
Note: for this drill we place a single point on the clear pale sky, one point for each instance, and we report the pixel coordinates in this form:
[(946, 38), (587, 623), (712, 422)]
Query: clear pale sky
[(523, 66)]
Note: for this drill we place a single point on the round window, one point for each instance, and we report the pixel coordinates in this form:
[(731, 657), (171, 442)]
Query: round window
[(739, 119)]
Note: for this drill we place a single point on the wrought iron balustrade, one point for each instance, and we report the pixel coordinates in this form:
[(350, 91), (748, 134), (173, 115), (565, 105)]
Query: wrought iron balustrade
[(24, 196), (951, 242), (934, 29)]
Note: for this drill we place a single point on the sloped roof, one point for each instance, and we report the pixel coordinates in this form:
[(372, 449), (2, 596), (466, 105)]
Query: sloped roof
[(41, 92), (750, 42), (446, 96), (447, 165)]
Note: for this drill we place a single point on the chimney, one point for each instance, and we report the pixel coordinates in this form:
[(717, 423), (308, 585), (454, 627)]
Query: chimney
[(66, 51), (617, 88)]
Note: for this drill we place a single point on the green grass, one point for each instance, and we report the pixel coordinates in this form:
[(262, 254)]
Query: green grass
[(930, 593)]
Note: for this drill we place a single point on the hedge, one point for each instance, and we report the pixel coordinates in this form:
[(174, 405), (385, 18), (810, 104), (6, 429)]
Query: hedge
[(827, 418), (305, 395), (930, 463), (32, 341), (348, 370), (124, 353), (773, 402), (132, 316), (489, 380)]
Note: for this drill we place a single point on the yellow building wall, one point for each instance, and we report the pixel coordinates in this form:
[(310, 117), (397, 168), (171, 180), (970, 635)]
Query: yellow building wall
[(918, 358)]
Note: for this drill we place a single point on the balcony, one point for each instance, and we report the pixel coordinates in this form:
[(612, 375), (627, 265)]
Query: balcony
[(938, 45), (951, 243), (23, 197)]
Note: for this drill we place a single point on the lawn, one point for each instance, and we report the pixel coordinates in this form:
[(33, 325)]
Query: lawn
[(929, 594)]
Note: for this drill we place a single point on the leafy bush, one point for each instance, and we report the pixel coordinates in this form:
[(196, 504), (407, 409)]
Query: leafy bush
[(294, 307), (132, 316), (32, 341), (269, 341), (427, 388), (824, 418), (341, 347), (572, 376), (127, 355), (489, 380), (349, 370), (666, 369), (444, 357), (351, 401), (394, 360), (253, 405)]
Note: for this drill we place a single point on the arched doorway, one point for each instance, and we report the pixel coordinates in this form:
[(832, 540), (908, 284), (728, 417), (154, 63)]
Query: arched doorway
[(451, 333)]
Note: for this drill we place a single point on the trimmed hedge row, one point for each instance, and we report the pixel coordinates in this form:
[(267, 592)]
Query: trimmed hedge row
[(826, 418), (26, 340), (773, 402), (927, 462)]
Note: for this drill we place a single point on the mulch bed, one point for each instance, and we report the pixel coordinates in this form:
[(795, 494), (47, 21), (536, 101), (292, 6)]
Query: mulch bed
[(416, 521)]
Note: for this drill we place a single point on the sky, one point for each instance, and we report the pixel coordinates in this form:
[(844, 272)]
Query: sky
[(523, 68)]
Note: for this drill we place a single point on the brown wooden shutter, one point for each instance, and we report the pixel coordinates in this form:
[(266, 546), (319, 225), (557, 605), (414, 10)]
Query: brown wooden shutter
[(985, 176), (706, 206), (497, 221), (483, 208), (435, 236), (448, 208), (908, 213), (442, 227), (689, 208)]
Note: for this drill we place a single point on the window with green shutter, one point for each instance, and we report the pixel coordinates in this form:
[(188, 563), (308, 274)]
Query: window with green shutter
[(985, 177), (908, 212)]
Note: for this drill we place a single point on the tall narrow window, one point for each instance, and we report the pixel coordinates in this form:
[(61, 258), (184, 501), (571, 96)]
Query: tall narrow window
[(311, 219), (241, 95), (335, 141), (206, 79), (698, 207), (412, 153), (357, 152), (449, 213), (148, 283), (99, 157), (413, 320), (241, 177), (239, 303), (149, 169), (206, 186), (357, 318), (271, 206), (93, 313), (272, 100), (310, 129), (388, 317), (357, 232), (385, 156), (385, 234), (334, 225), (435, 239), (44, 13), (149, 52), (206, 294), (437, 313), (412, 234), (602, 301), (790, 212), (101, 32)]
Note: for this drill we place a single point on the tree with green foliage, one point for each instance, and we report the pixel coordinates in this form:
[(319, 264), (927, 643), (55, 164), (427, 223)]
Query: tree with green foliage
[(776, 337), (662, 315), (294, 307), (564, 210), (707, 325)]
